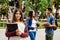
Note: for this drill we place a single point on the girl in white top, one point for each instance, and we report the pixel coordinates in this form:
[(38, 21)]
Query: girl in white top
[(22, 32), (32, 25)]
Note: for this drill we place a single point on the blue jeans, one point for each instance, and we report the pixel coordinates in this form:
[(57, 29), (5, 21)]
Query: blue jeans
[(32, 35)]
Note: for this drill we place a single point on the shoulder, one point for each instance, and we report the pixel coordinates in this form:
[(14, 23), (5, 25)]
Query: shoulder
[(53, 17), (25, 23), (27, 19)]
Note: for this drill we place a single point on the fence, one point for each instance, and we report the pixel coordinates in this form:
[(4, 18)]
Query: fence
[(3, 23)]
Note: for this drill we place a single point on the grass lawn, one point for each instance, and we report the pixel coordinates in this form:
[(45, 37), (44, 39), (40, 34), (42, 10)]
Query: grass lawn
[(40, 25)]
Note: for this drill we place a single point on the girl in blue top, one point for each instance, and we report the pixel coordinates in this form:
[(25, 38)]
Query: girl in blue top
[(31, 22)]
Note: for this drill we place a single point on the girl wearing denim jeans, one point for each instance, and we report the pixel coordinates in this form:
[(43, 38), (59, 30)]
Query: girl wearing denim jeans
[(32, 25)]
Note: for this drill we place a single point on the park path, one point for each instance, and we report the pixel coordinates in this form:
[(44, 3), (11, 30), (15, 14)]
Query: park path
[(40, 34)]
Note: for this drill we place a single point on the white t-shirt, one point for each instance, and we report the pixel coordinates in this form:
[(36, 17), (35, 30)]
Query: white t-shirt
[(21, 27), (34, 22)]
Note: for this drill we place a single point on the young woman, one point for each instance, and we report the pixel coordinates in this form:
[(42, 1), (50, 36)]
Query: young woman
[(18, 34), (32, 25)]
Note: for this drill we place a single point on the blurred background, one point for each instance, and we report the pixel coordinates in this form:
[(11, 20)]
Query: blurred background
[(7, 8)]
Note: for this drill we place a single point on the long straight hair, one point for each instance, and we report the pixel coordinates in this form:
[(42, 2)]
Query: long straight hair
[(30, 15)]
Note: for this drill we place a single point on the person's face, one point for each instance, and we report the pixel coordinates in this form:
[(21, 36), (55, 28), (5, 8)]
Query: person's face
[(18, 15), (47, 12)]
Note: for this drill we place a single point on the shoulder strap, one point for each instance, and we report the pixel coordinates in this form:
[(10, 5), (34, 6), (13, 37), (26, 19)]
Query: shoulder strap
[(55, 21), (51, 19)]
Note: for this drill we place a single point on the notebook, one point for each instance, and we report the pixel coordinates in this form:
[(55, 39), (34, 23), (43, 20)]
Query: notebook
[(12, 27)]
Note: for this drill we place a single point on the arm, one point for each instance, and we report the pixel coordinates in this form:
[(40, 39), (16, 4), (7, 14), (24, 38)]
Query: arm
[(29, 27), (54, 26), (9, 34), (53, 22), (25, 34)]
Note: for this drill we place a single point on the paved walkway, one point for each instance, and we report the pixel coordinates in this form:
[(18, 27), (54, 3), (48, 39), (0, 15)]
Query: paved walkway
[(40, 34)]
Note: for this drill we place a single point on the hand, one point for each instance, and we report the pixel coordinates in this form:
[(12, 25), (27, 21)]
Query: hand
[(37, 27), (52, 26), (18, 32), (46, 24)]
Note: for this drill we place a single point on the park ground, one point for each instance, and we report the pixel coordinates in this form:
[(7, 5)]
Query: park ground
[(40, 34)]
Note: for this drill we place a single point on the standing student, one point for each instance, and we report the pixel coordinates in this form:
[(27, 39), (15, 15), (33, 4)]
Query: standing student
[(31, 22), (18, 34), (51, 23)]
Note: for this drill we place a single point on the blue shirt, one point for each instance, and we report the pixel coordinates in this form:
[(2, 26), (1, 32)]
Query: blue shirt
[(29, 23), (49, 18)]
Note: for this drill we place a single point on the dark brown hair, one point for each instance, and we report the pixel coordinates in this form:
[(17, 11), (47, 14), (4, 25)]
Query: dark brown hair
[(14, 18), (49, 9), (30, 15)]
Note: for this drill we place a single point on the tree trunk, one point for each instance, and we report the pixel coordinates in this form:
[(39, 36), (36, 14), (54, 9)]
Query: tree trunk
[(20, 5), (56, 14)]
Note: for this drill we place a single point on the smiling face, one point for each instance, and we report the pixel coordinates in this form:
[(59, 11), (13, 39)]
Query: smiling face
[(18, 15)]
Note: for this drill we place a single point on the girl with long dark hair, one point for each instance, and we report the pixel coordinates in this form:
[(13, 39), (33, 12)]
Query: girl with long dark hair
[(32, 25), (18, 34)]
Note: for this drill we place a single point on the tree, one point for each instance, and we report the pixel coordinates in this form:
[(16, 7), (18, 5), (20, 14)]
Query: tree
[(36, 5), (50, 3), (56, 3), (3, 6), (21, 4), (27, 7)]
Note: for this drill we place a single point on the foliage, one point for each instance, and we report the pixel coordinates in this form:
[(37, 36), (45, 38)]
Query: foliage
[(57, 1), (26, 4), (4, 6), (38, 5)]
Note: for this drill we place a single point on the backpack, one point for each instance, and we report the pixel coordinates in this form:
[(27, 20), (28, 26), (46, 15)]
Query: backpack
[(54, 28)]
